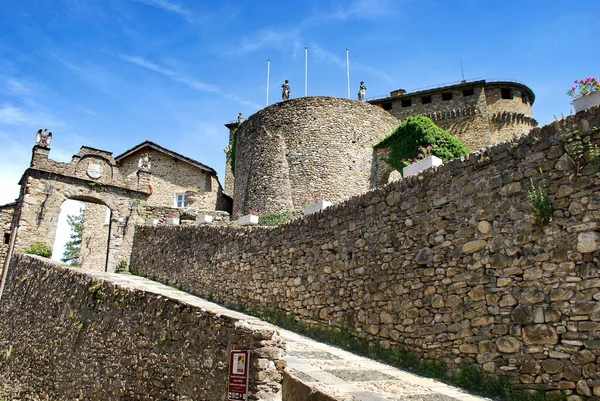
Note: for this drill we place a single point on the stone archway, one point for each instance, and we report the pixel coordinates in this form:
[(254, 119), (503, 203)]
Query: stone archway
[(92, 176)]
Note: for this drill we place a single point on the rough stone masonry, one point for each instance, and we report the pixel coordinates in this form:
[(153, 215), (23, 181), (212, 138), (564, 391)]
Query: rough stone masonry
[(70, 335), (450, 264)]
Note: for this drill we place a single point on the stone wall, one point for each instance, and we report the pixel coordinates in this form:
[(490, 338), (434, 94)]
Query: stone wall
[(450, 264), (69, 335), (303, 147), (6, 216), (474, 112)]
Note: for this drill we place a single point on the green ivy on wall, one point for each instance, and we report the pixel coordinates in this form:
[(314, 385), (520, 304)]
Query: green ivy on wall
[(404, 142)]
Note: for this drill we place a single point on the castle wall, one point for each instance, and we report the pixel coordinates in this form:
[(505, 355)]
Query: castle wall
[(6, 216), (449, 264), (306, 146), (474, 112), (66, 335), (94, 239)]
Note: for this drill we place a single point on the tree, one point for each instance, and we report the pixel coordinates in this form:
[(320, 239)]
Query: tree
[(71, 254)]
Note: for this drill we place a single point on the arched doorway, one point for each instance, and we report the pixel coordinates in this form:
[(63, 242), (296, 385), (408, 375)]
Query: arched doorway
[(82, 235)]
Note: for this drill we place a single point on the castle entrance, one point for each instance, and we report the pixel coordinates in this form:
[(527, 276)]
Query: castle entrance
[(91, 177)]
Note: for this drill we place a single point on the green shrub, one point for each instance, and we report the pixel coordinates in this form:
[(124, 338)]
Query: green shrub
[(404, 142), (275, 218), (540, 202), (40, 249)]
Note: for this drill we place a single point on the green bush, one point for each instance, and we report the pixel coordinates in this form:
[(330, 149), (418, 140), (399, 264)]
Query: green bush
[(418, 131), (275, 218), (40, 249)]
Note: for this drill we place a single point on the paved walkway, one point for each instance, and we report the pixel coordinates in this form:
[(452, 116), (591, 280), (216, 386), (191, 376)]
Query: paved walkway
[(357, 378), (336, 372)]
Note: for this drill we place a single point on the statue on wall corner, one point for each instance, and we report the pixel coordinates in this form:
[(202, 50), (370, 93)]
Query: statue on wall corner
[(240, 118), (285, 91), (362, 91), (43, 138), (144, 163)]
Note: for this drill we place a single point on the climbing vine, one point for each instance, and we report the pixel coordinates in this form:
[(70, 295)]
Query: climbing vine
[(415, 132)]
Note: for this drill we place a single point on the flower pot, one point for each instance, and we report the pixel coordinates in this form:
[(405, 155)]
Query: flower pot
[(153, 222), (248, 220), (587, 101), (415, 168), (204, 219), (315, 207), (174, 221)]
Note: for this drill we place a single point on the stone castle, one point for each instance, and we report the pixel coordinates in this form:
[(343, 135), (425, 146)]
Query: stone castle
[(449, 265)]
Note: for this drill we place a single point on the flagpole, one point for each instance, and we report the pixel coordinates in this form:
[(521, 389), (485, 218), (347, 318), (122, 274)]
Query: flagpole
[(348, 71), (268, 78), (306, 71)]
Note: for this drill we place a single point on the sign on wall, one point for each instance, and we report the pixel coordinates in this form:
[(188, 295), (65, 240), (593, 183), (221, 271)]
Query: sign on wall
[(239, 366)]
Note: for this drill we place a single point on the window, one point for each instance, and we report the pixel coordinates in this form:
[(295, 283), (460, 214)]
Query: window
[(506, 93), (447, 96), (387, 105), (180, 200), (468, 92), (425, 99), (6, 238), (524, 99), (406, 102)]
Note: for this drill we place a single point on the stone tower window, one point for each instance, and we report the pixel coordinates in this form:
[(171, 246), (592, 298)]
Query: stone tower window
[(406, 102), (506, 93), (468, 92), (6, 238), (425, 99), (387, 105), (447, 96), (524, 99)]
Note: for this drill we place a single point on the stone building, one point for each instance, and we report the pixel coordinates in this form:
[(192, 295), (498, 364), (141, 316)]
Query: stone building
[(303, 147), (480, 113), (144, 182)]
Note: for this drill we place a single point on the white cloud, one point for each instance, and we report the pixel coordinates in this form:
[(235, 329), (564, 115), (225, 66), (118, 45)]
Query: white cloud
[(168, 6), (184, 79), (63, 229)]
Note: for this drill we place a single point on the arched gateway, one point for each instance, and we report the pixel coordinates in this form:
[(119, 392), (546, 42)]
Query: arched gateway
[(146, 178)]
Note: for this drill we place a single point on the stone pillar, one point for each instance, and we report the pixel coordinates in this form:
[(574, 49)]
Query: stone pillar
[(229, 178), (39, 157), (143, 183)]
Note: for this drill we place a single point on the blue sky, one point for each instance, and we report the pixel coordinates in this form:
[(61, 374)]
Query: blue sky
[(113, 73)]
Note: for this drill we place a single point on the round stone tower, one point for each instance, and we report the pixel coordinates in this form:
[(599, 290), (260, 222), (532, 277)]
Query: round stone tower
[(307, 146)]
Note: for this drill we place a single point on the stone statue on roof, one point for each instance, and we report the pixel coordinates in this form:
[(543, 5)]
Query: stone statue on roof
[(362, 91), (285, 91), (144, 162), (240, 118), (43, 138)]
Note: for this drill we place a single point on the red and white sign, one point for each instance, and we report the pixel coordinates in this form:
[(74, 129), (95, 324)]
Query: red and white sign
[(239, 366)]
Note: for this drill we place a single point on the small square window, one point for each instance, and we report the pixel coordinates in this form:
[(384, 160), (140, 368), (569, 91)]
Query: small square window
[(181, 200), (506, 93), (468, 92), (406, 102), (387, 105), (447, 96), (6, 238), (425, 99)]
